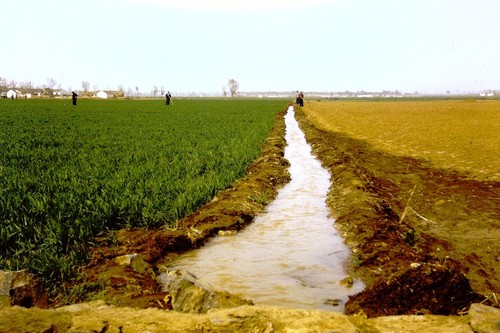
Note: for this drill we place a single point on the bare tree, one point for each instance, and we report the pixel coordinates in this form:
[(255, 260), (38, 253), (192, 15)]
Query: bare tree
[(137, 90), (162, 90), (233, 86), (3, 82), (85, 86), (224, 91), (155, 90), (26, 84), (51, 83)]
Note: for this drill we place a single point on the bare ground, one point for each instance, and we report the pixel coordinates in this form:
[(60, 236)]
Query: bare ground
[(424, 240)]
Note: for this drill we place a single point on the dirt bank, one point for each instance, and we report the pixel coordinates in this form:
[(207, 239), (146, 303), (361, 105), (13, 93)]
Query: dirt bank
[(411, 264)]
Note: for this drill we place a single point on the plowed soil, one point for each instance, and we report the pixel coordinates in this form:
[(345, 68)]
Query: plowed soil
[(410, 264)]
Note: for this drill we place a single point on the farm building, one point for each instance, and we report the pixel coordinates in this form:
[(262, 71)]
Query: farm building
[(34, 92), (12, 93), (56, 93), (31, 92), (102, 94), (105, 94)]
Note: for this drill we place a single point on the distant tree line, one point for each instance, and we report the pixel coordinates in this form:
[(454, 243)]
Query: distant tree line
[(50, 83), (231, 89)]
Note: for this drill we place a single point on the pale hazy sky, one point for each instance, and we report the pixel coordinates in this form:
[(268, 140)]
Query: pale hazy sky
[(197, 45)]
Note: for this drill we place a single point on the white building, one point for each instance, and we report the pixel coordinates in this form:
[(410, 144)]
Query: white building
[(101, 94), (13, 93)]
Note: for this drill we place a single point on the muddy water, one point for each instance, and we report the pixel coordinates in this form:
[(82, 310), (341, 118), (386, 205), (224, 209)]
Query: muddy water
[(289, 256)]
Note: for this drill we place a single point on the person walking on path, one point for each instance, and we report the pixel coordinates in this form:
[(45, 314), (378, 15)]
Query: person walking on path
[(74, 96), (168, 96)]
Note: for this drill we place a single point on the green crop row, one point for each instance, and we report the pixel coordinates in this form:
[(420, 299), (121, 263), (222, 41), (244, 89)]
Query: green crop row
[(68, 174)]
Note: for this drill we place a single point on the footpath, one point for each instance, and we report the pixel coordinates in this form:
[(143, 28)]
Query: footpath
[(100, 317)]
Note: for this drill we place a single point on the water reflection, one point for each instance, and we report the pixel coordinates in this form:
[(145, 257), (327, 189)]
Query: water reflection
[(289, 256)]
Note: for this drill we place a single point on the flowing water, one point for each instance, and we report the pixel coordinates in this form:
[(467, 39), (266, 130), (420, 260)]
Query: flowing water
[(291, 255)]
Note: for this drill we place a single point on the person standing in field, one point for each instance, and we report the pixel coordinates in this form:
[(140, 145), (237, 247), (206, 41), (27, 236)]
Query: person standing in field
[(74, 96), (300, 99), (168, 96), (297, 98)]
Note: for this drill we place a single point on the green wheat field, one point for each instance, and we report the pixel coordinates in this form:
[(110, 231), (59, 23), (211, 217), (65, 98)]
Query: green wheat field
[(69, 174)]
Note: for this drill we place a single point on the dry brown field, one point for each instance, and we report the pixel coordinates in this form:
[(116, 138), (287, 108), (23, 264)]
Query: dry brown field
[(451, 134), (416, 196)]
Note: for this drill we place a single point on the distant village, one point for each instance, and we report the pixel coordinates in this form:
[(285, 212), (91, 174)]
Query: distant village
[(23, 90), (27, 93), (19, 93), (367, 94)]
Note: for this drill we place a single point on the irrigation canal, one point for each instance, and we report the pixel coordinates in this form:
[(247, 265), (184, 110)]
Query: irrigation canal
[(291, 255)]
